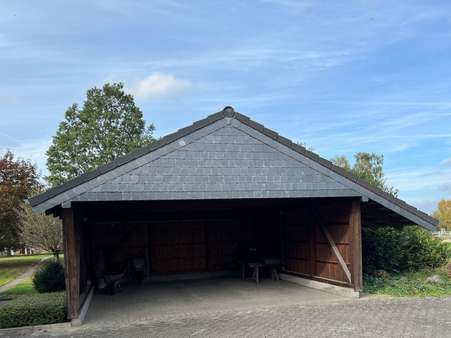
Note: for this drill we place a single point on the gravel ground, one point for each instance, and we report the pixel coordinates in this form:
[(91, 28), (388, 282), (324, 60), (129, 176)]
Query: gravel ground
[(367, 317)]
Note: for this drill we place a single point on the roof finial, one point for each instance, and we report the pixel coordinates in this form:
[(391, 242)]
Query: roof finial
[(228, 109)]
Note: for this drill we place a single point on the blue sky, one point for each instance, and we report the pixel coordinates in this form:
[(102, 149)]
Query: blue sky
[(341, 77)]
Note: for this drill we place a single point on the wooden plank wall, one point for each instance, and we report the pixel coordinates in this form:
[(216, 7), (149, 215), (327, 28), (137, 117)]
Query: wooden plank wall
[(336, 219), (196, 246), (224, 238), (178, 247), (123, 241), (298, 255), (175, 246), (308, 251)]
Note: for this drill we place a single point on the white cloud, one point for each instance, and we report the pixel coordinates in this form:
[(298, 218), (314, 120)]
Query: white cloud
[(396, 148), (423, 187), (434, 178), (245, 58), (426, 205), (297, 6), (384, 130), (159, 85), (8, 99)]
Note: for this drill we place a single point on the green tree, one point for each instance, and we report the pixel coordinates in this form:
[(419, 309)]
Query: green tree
[(443, 214), (368, 167), (18, 180), (107, 126)]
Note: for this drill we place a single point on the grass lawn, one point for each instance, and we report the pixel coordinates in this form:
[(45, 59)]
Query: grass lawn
[(410, 284), (24, 288), (12, 267)]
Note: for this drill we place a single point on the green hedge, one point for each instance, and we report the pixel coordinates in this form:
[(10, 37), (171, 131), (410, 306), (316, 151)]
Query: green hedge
[(398, 250), (35, 309)]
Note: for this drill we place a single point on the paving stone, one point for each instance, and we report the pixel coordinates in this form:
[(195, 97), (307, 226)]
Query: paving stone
[(367, 317)]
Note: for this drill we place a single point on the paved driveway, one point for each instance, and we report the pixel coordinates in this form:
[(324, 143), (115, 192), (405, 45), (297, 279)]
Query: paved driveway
[(367, 317), (187, 298), (359, 318)]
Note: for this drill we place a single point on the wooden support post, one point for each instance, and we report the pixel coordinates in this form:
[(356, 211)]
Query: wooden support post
[(312, 220), (356, 226), (72, 262)]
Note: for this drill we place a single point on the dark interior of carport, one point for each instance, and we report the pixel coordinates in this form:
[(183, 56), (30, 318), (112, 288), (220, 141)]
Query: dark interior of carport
[(210, 236)]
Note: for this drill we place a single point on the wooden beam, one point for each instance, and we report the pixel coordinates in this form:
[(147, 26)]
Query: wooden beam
[(356, 226), (312, 220), (337, 253), (72, 263), (66, 205)]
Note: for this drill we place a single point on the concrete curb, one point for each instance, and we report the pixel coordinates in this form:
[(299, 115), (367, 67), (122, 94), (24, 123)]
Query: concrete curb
[(21, 330), (326, 287), (84, 309)]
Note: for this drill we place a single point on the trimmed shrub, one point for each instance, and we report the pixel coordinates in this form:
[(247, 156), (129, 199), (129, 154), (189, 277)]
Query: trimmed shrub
[(36, 309), (49, 278), (408, 249)]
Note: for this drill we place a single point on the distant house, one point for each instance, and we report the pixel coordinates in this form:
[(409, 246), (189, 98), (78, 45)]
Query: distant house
[(17, 252), (192, 201)]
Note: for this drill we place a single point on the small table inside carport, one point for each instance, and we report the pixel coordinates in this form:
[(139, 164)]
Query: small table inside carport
[(272, 263)]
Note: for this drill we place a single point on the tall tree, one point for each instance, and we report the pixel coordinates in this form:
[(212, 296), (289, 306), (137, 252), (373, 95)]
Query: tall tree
[(39, 231), (443, 214), (368, 167), (107, 126), (18, 180)]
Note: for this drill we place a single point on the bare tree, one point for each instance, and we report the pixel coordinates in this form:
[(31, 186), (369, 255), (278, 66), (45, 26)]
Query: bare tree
[(19, 179), (40, 231)]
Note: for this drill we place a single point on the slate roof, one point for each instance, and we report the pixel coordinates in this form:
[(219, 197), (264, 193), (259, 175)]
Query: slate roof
[(239, 158)]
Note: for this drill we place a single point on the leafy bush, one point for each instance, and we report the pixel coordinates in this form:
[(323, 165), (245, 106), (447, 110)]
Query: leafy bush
[(408, 249), (49, 278), (421, 250), (380, 248), (410, 284), (36, 309)]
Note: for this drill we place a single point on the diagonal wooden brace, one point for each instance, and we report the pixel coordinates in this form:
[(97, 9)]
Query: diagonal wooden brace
[(337, 253)]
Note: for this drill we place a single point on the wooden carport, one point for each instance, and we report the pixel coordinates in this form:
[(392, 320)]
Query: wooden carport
[(220, 181)]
